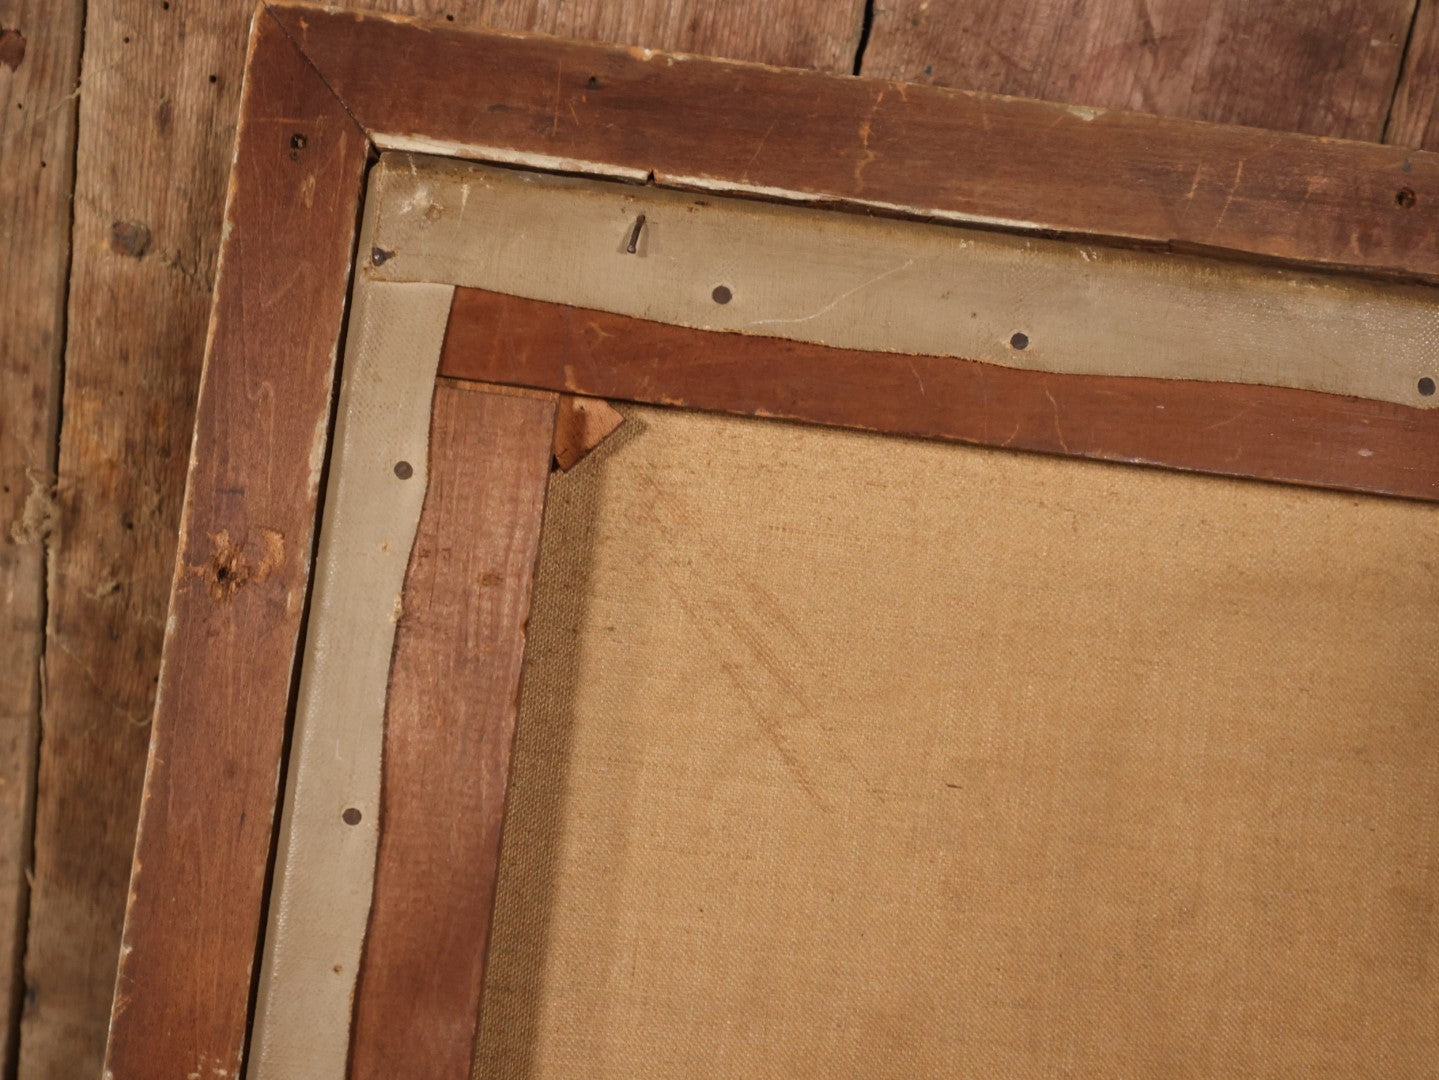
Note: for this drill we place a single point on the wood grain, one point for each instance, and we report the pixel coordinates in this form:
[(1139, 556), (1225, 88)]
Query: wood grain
[(162, 87), (1259, 432), (39, 56), (1414, 119), (865, 143), (191, 924), (796, 33), (1322, 69), (449, 722)]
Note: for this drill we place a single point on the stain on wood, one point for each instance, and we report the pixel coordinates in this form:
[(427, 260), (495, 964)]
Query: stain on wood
[(581, 424), (1259, 432), (865, 143), (449, 723), (39, 55), (1322, 69), (193, 917), (130, 238)]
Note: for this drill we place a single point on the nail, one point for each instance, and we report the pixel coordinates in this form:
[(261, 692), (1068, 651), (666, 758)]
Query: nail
[(635, 235)]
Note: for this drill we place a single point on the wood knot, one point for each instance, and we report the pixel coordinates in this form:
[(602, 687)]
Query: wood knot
[(130, 238), (12, 48)]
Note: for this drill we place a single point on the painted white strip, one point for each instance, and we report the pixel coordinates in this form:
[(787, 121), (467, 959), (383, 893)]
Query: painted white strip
[(859, 282), (324, 876)]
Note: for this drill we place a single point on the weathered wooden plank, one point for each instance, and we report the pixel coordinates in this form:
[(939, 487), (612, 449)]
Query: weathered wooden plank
[(1414, 119), (790, 33), (1323, 69), (1261, 432), (449, 722), (1024, 164), (161, 85), (240, 584), (39, 56)]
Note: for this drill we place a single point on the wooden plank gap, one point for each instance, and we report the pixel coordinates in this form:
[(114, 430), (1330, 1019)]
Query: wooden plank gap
[(1406, 55)]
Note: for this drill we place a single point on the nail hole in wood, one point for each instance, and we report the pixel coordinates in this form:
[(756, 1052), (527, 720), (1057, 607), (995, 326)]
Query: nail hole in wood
[(1406, 198), (297, 141), (592, 83), (722, 295), (351, 816), (1426, 386), (1019, 341), (404, 470)]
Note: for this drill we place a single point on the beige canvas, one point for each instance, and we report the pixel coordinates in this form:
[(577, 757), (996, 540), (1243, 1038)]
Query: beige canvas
[(843, 755)]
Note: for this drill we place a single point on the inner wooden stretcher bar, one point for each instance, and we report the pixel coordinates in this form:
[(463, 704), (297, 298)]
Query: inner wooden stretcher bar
[(1257, 432)]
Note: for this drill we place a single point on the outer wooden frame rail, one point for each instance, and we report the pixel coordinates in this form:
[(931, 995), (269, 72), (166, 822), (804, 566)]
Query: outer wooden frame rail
[(322, 90)]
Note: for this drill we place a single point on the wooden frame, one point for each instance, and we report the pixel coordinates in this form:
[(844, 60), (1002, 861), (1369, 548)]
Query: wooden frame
[(320, 95)]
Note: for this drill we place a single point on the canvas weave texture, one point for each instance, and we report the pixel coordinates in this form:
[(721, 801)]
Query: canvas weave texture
[(849, 756)]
